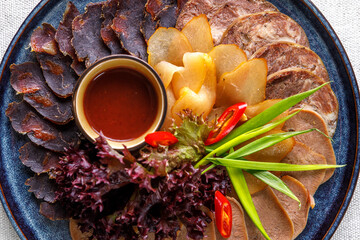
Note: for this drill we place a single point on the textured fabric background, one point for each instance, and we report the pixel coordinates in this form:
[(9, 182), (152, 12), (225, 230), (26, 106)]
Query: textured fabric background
[(344, 16)]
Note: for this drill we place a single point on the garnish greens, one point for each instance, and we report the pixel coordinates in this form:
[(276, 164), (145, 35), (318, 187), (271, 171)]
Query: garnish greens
[(222, 153)]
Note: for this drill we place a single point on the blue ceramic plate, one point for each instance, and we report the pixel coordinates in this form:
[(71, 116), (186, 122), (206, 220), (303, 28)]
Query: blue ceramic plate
[(332, 199)]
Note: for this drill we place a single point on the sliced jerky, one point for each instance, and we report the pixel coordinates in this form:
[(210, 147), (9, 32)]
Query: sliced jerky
[(42, 187), (126, 25), (154, 7), (25, 120), (27, 78), (282, 55), (167, 17), (107, 33), (251, 32), (56, 67), (53, 211), (38, 159), (64, 35), (87, 40), (148, 26)]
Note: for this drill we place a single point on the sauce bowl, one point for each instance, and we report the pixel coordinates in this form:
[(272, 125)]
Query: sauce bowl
[(83, 90)]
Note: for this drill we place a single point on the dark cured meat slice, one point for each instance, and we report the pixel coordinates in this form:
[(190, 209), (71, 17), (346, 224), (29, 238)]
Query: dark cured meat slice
[(38, 159), (232, 10), (55, 67), (108, 35), (318, 143), (64, 35), (27, 78), (53, 211), (148, 26), (87, 40), (254, 31), (41, 132), (154, 7), (42, 187), (282, 55), (289, 82), (126, 25)]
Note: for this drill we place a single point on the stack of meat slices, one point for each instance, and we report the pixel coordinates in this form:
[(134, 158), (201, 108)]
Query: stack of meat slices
[(63, 54), (262, 31)]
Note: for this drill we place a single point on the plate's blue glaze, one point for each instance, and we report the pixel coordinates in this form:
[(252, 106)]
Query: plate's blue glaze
[(333, 197)]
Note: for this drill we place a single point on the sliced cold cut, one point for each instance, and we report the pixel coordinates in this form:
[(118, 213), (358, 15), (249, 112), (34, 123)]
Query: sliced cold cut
[(282, 55), (303, 155), (307, 119), (289, 82), (297, 215), (251, 32)]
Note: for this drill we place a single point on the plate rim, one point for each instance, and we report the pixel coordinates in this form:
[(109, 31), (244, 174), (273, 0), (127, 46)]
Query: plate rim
[(333, 36)]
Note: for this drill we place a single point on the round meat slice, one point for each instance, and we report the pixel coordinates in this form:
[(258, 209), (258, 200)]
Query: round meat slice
[(303, 155), (254, 31), (317, 142), (283, 55), (238, 223), (272, 215), (297, 216), (230, 11), (289, 82)]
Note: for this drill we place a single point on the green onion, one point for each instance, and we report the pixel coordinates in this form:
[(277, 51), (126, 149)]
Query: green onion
[(241, 188)]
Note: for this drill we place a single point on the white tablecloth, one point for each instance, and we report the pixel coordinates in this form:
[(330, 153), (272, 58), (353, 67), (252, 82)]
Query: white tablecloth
[(343, 15)]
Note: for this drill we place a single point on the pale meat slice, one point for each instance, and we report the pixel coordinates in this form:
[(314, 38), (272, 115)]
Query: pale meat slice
[(272, 215), (231, 10), (282, 55), (251, 32), (27, 78), (195, 8), (303, 155), (87, 40), (41, 132), (126, 25), (238, 223), (64, 35), (317, 142), (297, 215), (55, 66), (289, 82), (108, 35)]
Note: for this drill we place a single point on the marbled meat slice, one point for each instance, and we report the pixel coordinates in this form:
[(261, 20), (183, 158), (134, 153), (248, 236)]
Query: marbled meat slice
[(40, 131), (107, 33), (272, 215), (297, 216), (303, 155), (193, 8), (251, 32), (238, 225), (282, 55), (42, 187), (64, 35), (38, 159), (55, 67), (232, 10), (27, 78), (307, 119), (126, 25), (289, 82), (87, 40)]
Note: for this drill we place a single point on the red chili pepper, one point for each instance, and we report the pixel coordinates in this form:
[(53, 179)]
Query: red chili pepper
[(223, 214), (160, 138), (226, 122)]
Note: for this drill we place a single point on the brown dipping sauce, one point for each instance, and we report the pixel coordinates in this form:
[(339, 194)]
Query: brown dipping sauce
[(121, 103)]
